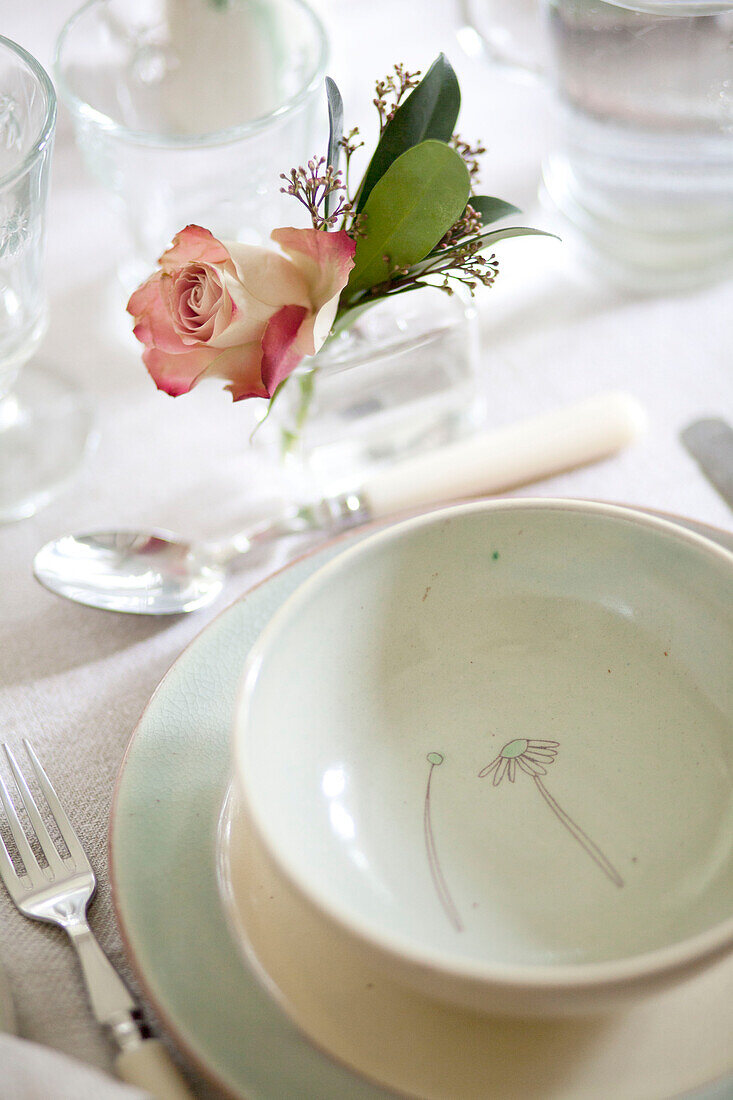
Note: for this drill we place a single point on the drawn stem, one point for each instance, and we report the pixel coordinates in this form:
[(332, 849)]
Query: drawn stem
[(582, 838), (439, 882)]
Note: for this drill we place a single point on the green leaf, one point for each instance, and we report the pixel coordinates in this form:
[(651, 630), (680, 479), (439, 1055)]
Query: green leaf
[(412, 206), (501, 234), (491, 209), (335, 122), (335, 127), (348, 316), (270, 403), (306, 383), (486, 239), (288, 440), (429, 113)]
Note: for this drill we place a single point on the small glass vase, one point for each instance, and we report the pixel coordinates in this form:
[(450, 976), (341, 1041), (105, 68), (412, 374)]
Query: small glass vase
[(402, 379)]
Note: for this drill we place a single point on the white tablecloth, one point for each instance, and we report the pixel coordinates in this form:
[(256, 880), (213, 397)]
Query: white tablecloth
[(76, 680)]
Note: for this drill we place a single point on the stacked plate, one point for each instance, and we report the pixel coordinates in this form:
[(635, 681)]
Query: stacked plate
[(479, 840)]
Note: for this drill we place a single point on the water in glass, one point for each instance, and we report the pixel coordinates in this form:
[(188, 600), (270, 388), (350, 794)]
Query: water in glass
[(644, 157), (641, 165)]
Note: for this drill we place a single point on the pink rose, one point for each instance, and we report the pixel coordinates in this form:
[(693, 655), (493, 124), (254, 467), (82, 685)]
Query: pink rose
[(237, 311)]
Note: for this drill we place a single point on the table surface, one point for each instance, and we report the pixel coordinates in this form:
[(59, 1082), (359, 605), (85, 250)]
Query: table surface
[(74, 680)]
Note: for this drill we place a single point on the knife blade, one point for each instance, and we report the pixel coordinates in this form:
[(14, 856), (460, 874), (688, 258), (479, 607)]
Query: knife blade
[(710, 442)]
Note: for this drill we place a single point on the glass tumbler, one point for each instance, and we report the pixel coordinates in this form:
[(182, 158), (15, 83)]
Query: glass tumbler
[(640, 168), (189, 110), (43, 424)]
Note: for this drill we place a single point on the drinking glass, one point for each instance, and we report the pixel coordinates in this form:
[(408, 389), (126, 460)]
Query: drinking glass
[(641, 165), (43, 425), (189, 110)]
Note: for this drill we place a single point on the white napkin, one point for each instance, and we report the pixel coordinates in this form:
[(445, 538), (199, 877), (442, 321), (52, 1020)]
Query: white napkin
[(32, 1072)]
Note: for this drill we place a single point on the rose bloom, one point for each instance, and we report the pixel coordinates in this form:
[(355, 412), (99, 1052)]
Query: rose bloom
[(238, 311)]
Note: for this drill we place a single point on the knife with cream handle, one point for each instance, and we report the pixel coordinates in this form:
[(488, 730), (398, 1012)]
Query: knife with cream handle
[(517, 454)]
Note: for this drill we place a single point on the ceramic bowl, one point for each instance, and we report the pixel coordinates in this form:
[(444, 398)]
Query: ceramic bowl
[(494, 744)]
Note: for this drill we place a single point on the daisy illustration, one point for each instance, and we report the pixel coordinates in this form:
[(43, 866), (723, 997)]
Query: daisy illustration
[(534, 757)]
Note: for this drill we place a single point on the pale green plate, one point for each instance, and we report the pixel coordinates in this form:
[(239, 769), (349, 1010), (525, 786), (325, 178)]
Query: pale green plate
[(162, 841)]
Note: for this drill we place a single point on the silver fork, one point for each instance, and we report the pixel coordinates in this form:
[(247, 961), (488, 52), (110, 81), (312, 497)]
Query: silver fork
[(60, 893)]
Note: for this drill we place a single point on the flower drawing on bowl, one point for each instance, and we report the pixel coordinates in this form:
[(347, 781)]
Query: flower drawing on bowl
[(533, 757), (435, 759), (530, 756)]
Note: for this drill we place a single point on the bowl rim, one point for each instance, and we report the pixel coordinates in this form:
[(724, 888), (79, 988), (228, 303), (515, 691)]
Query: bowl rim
[(91, 114), (676, 957)]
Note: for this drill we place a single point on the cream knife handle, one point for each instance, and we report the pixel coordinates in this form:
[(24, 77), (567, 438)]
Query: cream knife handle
[(515, 455), (149, 1066)]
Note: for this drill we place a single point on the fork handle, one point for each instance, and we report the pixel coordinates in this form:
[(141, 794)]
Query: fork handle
[(149, 1066), (143, 1062), (108, 994)]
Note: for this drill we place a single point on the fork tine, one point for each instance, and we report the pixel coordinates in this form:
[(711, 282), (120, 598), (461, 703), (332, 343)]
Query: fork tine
[(45, 839), (65, 827), (35, 875), (8, 874)]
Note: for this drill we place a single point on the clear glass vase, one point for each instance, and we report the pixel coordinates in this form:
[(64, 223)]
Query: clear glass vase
[(401, 380)]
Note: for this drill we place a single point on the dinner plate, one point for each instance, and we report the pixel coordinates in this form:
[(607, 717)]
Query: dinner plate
[(163, 870), (421, 1047)]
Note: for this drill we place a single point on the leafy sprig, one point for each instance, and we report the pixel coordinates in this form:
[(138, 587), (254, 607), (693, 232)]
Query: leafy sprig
[(414, 215), (314, 186), (349, 144), (470, 154), (390, 92)]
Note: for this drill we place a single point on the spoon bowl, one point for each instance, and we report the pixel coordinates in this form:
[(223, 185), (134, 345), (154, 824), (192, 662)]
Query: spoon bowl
[(137, 572)]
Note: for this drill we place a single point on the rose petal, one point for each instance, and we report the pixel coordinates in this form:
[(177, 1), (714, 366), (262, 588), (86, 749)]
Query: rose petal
[(249, 315), (280, 353), (242, 367), (194, 243), (325, 261), (154, 325), (321, 323), (268, 278), (177, 374)]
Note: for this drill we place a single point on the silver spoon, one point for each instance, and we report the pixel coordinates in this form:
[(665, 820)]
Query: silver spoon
[(158, 573)]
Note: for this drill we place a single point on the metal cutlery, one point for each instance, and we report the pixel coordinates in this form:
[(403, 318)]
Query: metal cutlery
[(59, 893), (157, 573), (710, 442)]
